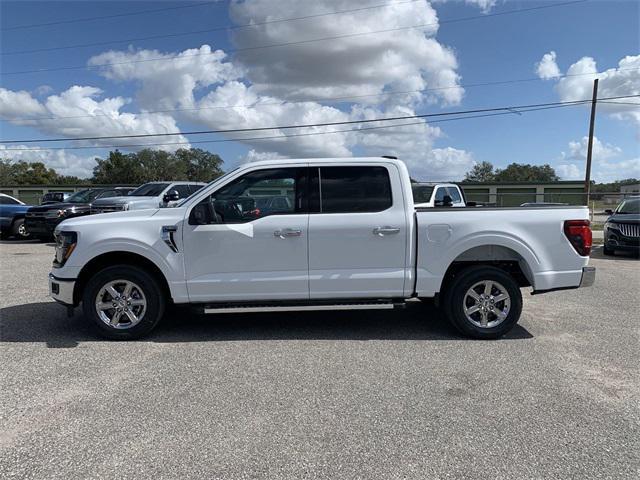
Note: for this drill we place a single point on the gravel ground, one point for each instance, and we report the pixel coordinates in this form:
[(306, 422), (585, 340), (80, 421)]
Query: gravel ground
[(342, 395)]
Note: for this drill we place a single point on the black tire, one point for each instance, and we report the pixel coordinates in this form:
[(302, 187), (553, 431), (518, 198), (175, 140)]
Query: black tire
[(608, 251), (455, 296), (18, 230), (153, 293)]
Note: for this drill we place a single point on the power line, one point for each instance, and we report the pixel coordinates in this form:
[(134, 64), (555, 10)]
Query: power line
[(271, 137), (300, 42), (117, 15), (316, 100), (324, 124), (209, 30)]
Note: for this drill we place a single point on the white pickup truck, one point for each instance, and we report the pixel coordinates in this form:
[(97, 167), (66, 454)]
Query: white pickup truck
[(347, 237)]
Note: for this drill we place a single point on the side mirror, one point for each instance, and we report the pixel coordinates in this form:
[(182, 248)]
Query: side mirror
[(171, 196), (608, 211)]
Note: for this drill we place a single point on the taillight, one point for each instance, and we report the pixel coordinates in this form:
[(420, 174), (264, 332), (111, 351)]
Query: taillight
[(579, 234)]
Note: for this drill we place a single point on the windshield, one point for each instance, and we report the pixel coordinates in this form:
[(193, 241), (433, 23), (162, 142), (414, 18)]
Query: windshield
[(422, 193), (149, 190), (83, 196), (629, 206)]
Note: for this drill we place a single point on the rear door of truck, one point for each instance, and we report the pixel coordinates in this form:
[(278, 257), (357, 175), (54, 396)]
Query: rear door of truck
[(358, 231)]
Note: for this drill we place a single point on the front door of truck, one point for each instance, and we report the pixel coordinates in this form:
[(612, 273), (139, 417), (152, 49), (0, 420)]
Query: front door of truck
[(253, 246), (357, 232)]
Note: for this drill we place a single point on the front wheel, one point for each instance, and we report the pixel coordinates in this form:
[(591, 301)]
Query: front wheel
[(19, 229), (123, 302), (607, 251), (483, 302)]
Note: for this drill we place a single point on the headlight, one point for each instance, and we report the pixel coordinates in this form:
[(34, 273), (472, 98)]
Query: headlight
[(54, 213), (65, 245), (608, 225)]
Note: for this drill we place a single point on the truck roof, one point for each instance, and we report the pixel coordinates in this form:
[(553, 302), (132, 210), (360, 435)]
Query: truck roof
[(336, 160)]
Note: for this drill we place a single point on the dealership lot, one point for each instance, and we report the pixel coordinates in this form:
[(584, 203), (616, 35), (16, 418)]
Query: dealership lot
[(321, 395)]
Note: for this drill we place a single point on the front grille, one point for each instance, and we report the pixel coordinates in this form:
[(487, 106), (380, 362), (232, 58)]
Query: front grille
[(107, 209), (629, 229), (35, 214)]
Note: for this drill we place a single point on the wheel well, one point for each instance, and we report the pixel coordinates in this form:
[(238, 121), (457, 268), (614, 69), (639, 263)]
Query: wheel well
[(492, 255), (115, 258)]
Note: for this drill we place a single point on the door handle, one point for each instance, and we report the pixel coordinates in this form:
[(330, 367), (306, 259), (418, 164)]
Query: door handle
[(287, 232), (382, 231)]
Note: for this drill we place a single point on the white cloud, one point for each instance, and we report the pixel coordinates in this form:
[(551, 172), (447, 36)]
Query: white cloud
[(80, 112), (485, 5), (601, 151), (353, 65), (61, 161), (614, 82), (547, 67), (569, 171), (605, 164), (170, 82)]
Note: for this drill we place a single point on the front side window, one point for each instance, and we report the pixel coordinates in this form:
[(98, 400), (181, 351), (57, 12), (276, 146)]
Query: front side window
[(454, 194), (354, 189), (183, 190), (83, 196), (257, 194)]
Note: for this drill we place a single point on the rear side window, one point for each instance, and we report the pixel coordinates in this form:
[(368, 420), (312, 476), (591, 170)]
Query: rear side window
[(354, 189), (195, 187), (8, 201)]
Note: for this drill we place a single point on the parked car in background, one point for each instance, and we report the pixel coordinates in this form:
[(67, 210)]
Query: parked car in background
[(12, 213), (426, 195), (622, 228), (54, 197), (42, 220), (351, 239), (149, 195)]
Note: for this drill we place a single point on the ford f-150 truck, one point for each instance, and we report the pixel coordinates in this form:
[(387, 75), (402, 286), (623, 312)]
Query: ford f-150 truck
[(349, 237)]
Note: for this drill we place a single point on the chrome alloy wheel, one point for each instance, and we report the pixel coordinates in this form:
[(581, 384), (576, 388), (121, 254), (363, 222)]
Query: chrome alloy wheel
[(22, 230), (486, 304), (121, 304)]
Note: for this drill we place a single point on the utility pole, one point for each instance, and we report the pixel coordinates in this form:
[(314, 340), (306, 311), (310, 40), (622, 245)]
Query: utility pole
[(587, 177)]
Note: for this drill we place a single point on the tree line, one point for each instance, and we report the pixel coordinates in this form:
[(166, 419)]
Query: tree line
[(121, 168)]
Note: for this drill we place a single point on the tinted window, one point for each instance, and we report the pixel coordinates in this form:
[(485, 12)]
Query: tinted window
[(629, 206), (195, 188), (149, 190), (354, 189), (83, 196), (107, 194), (454, 194), (257, 194), (8, 201), (440, 193), (422, 193), (183, 190)]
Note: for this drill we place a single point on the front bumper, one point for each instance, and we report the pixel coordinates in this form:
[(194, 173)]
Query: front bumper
[(615, 240), (61, 290), (41, 226)]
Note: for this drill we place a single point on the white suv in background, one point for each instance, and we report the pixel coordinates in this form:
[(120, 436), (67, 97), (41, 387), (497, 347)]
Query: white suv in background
[(427, 195), (149, 195)]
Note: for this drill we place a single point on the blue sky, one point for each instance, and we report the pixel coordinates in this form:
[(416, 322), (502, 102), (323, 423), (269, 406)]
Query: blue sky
[(493, 48)]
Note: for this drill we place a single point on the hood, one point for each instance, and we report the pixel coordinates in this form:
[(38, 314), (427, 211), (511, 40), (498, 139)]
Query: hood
[(60, 206), (124, 216), (624, 218), (123, 200), (15, 208)]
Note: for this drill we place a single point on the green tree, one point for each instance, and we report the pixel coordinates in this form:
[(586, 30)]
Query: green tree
[(518, 172), (119, 168), (26, 173), (481, 172), (201, 166)]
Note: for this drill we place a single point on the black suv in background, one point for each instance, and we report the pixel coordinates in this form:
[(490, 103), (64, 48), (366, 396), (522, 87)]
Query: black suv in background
[(41, 221), (622, 228)]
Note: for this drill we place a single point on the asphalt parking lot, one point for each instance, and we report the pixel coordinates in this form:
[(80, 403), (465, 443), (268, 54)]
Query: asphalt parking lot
[(321, 395)]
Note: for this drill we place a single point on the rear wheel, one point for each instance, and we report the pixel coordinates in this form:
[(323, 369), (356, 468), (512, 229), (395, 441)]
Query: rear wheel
[(483, 302), (123, 302), (18, 230)]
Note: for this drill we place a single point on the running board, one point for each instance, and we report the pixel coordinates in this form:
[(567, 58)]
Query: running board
[(301, 308)]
